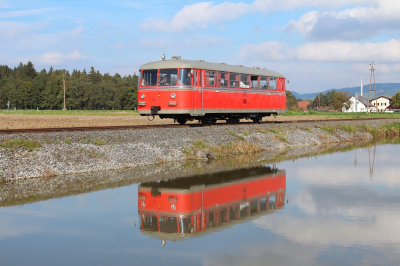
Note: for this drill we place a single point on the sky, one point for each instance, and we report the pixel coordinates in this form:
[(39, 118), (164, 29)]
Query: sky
[(316, 44)]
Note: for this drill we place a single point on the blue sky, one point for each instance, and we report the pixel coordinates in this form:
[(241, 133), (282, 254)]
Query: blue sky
[(316, 44)]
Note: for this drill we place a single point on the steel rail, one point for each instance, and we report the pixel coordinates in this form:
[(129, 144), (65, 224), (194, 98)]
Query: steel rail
[(104, 128)]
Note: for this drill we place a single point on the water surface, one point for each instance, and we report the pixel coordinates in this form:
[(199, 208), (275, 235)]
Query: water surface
[(338, 208)]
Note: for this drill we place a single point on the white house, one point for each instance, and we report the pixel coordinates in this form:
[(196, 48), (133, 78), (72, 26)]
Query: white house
[(362, 105), (382, 102)]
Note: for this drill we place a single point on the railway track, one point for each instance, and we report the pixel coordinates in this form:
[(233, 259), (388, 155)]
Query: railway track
[(75, 129)]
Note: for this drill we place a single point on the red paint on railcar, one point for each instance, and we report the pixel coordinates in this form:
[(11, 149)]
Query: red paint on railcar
[(198, 101)]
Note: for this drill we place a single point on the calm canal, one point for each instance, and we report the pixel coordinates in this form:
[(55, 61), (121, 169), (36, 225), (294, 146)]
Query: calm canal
[(338, 208)]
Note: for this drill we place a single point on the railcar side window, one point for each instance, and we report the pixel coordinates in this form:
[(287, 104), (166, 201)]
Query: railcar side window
[(264, 82), (244, 81), (210, 78), (149, 77), (185, 77), (167, 77), (254, 82), (272, 83), (223, 79), (233, 80)]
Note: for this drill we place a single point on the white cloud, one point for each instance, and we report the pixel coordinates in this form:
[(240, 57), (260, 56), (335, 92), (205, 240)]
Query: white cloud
[(330, 51), (199, 15), (204, 13), (272, 5), (57, 58), (350, 24)]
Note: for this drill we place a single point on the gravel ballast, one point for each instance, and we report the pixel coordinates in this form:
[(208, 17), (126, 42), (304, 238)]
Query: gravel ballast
[(78, 152)]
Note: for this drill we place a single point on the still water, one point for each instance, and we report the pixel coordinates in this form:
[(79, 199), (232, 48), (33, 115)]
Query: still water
[(338, 208)]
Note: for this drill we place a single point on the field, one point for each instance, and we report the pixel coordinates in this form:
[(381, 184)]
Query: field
[(58, 118)]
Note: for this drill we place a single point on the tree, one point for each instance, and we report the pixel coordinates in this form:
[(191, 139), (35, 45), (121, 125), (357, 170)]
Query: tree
[(26, 88), (310, 105), (292, 103), (341, 99), (396, 99)]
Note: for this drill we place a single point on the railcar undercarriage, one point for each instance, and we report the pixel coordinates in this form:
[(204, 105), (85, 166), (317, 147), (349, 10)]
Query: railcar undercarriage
[(211, 118)]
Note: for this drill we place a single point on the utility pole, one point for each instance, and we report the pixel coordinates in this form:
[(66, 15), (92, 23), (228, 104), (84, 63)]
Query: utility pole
[(64, 90), (373, 90)]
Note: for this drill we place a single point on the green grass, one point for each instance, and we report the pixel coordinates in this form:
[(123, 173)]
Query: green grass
[(98, 141), (341, 114), (21, 143), (281, 137), (72, 112), (371, 130), (199, 144), (236, 135), (348, 128), (392, 126), (67, 141), (329, 129), (307, 129)]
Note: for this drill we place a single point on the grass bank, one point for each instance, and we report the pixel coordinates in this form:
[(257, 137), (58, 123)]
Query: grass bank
[(246, 142)]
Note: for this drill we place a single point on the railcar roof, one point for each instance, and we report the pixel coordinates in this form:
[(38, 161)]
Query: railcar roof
[(210, 66)]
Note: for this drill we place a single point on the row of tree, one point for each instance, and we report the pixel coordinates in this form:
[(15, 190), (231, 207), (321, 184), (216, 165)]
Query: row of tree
[(334, 100), (26, 88)]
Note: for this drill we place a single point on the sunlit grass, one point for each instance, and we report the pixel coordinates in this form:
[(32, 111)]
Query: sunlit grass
[(342, 115), (21, 143), (72, 112)]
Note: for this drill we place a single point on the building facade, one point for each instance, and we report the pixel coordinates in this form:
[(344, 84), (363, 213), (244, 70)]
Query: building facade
[(381, 103)]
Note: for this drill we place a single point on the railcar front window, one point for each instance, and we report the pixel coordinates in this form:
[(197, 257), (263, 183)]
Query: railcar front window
[(254, 82), (244, 81), (233, 80), (167, 77), (185, 77), (149, 77), (210, 78), (223, 79), (272, 83), (264, 82)]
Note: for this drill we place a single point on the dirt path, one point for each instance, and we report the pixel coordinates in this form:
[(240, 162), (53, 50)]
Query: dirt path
[(16, 121)]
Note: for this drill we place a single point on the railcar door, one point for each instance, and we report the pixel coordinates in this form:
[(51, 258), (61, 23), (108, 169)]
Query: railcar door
[(283, 93), (198, 92)]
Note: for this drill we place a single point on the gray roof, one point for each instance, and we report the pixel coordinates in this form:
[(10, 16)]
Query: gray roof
[(211, 66), (383, 96), (364, 101)]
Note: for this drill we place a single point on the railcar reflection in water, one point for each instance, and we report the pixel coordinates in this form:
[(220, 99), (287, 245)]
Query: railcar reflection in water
[(190, 207)]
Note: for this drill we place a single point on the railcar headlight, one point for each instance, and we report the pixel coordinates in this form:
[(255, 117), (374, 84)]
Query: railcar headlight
[(143, 204), (173, 207), (173, 95), (142, 96)]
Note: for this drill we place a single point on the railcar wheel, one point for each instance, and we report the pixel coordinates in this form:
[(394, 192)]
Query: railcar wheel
[(181, 121), (256, 120)]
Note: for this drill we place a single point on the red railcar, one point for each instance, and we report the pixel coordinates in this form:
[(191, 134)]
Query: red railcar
[(187, 207), (197, 90)]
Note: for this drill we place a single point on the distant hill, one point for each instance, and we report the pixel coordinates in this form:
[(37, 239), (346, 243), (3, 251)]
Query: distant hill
[(387, 89)]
